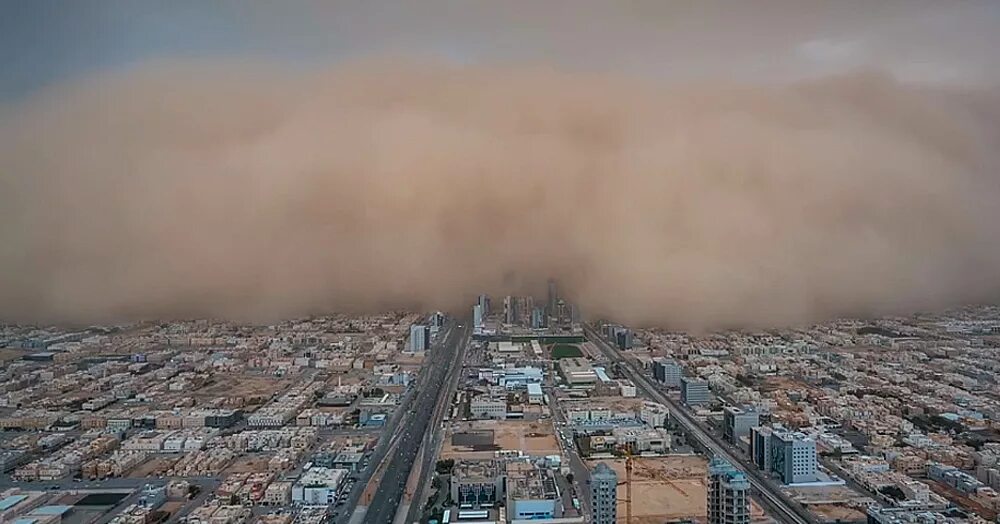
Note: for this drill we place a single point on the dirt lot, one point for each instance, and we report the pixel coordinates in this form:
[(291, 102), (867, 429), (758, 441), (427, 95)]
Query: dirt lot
[(534, 438), (806, 494), (154, 466), (252, 463), (837, 512), (666, 488), (241, 386), (663, 488)]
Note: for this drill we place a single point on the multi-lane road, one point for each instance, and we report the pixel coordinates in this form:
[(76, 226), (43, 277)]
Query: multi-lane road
[(433, 437), (438, 368), (767, 495)]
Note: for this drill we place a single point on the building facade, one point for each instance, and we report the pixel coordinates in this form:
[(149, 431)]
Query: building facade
[(694, 392), (793, 457), (668, 371), (736, 423), (420, 336), (728, 494), (604, 494)]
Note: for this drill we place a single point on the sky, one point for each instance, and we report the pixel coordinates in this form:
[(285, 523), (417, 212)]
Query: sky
[(682, 164), (46, 41)]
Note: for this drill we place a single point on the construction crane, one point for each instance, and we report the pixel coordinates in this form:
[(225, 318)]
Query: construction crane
[(627, 451)]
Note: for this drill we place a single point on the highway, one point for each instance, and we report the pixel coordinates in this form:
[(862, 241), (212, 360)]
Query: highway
[(434, 435), (441, 361), (767, 495)]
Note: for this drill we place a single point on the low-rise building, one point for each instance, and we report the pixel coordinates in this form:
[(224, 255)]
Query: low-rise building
[(478, 484), (532, 493)]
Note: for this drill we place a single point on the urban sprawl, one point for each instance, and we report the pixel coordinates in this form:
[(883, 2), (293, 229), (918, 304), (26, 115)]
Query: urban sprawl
[(519, 410)]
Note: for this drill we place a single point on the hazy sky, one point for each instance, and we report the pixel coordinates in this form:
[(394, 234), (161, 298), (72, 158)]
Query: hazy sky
[(44, 41), (693, 164)]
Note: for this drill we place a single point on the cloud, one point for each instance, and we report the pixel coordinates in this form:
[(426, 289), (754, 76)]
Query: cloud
[(246, 191)]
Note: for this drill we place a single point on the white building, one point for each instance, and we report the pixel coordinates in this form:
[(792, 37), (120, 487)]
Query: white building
[(535, 395), (419, 338), (485, 406), (318, 486)]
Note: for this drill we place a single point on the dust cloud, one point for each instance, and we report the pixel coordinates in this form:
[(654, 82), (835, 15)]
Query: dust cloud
[(250, 192)]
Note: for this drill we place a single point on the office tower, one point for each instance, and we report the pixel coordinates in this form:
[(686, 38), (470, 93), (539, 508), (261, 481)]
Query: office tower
[(623, 338), (524, 307), (477, 316), (668, 371), (420, 337), (736, 423), (793, 457), (509, 310), (484, 302), (552, 296), (694, 392), (604, 494), (760, 447), (728, 494), (437, 319), (538, 318)]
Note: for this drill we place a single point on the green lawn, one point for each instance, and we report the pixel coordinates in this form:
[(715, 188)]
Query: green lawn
[(566, 351)]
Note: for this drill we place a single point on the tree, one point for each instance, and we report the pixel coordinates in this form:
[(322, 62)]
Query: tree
[(569, 478), (444, 467)]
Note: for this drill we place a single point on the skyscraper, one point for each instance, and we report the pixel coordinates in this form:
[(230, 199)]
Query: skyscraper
[(477, 316), (484, 302), (552, 296), (420, 336), (604, 494), (509, 310), (728, 494), (538, 318)]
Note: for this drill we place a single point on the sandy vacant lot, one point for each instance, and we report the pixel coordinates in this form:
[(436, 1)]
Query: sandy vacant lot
[(835, 512), (242, 386), (534, 438), (251, 463), (663, 488), (154, 466), (666, 488)]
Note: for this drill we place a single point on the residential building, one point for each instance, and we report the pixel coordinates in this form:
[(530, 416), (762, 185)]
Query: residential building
[(604, 494), (728, 494)]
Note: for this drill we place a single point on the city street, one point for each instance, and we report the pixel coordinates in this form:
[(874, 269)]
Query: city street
[(766, 494)]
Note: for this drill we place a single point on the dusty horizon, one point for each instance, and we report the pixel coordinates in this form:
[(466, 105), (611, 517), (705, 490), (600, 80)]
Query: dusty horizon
[(243, 191)]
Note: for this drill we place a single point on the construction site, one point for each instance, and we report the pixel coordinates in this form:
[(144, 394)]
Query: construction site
[(481, 439), (663, 488)]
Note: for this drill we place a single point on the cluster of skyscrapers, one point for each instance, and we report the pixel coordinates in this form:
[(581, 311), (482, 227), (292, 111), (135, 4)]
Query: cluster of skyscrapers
[(525, 311)]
